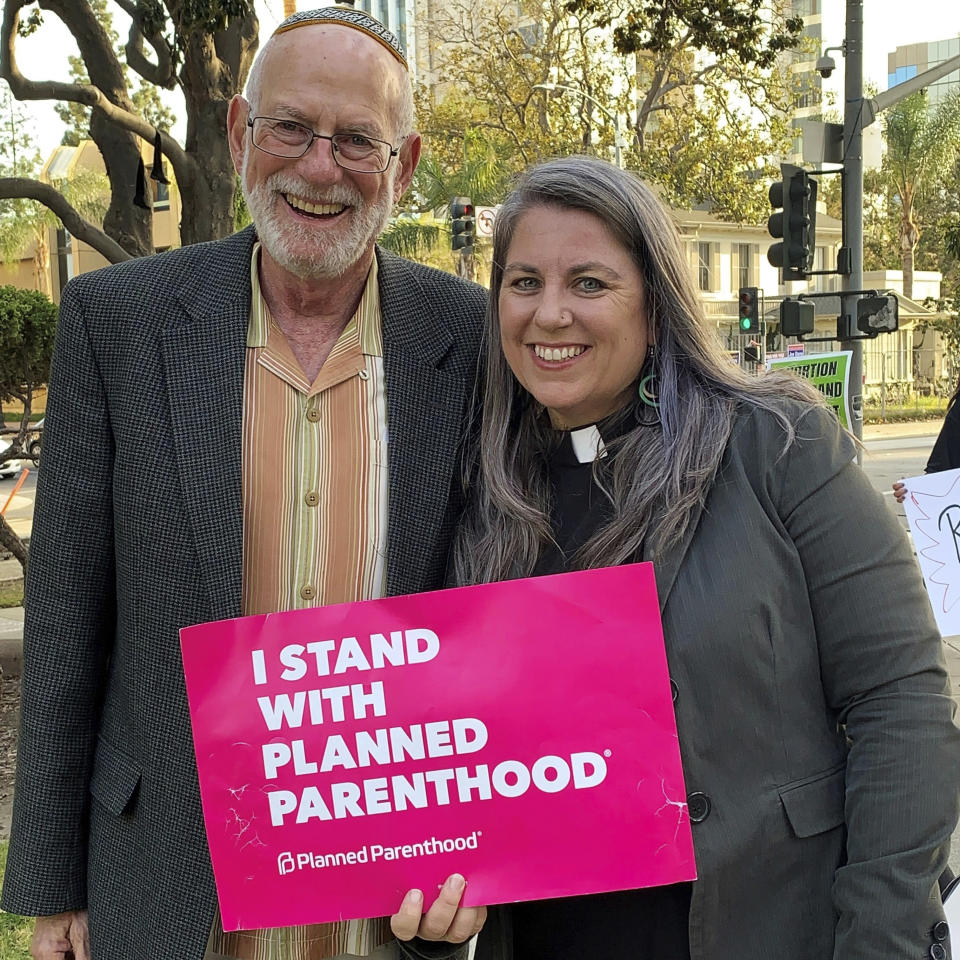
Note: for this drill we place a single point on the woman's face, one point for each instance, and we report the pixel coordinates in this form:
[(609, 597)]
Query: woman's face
[(572, 316)]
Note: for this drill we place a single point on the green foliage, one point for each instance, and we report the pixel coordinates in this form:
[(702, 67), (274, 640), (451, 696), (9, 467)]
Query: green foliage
[(15, 932), (412, 238), (720, 27), (28, 322), (700, 125), (241, 214), (922, 152)]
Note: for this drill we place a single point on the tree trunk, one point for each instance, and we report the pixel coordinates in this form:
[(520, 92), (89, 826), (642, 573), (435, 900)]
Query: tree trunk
[(206, 193), (131, 226), (906, 262), (214, 69)]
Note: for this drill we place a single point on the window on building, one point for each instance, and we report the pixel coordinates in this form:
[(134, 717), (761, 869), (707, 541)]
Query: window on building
[(161, 200), (741, 260), (704, 271)]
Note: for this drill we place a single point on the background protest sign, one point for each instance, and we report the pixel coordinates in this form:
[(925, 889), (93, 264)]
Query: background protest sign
[(933, 510), (829, 373), (519, 733)]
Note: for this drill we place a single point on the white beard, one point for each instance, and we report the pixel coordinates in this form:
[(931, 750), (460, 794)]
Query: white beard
[(307, 252)]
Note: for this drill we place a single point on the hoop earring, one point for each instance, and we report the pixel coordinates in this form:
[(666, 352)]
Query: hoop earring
[(647, 388)]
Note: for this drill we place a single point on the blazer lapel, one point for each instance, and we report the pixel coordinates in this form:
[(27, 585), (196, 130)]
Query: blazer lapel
[(425, 411), (667, 565), (204, 351)]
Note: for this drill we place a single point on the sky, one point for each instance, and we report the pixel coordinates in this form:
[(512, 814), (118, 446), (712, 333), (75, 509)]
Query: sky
[(44, 56)]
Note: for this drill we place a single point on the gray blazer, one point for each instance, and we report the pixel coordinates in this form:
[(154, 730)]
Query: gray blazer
[(816, 727), (137, 532)]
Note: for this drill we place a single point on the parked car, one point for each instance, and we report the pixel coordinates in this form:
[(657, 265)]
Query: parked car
[(9, 468), (32, 442)]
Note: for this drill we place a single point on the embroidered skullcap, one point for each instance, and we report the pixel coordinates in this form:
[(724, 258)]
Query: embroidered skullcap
[(347, 17)]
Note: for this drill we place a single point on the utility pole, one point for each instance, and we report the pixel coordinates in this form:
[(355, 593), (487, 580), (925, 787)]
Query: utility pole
[(853, 203)]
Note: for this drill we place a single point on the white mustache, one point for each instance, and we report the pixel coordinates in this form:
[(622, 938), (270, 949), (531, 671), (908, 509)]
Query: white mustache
[(283, 182)]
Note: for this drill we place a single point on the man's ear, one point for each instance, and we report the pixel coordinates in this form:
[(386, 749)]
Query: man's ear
[(237, 114), (408, 158)]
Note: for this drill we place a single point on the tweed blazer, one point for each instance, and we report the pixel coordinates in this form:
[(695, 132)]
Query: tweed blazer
[(138, 532), (820, 753)]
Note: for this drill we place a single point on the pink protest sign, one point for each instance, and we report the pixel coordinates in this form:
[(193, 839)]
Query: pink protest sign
[(520, 733)]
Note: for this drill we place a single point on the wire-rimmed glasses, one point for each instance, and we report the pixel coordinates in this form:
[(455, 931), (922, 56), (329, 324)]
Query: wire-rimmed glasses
[(289, 139)]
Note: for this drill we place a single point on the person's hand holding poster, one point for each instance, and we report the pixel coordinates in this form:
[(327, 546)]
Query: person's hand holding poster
[(519, 733)]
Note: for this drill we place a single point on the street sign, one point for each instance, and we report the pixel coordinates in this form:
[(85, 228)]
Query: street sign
[(486, 217)]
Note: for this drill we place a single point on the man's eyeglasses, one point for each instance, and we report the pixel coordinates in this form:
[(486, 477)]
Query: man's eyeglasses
[(352, 151)]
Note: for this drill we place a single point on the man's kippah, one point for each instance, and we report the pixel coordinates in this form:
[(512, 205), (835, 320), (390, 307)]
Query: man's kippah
[(347, 17)]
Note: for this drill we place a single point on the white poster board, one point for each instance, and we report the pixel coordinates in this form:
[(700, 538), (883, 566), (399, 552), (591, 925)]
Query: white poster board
[(933, 511)]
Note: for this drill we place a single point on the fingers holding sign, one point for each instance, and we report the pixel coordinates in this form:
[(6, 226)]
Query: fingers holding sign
[(445, 920)]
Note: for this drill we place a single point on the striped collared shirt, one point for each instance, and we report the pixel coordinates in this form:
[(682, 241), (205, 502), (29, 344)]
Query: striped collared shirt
[(314, 523)]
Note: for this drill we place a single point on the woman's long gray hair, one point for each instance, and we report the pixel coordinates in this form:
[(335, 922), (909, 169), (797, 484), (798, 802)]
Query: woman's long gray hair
[(662, 467)]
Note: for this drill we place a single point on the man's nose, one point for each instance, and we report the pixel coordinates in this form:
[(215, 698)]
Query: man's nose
[(318, 161)]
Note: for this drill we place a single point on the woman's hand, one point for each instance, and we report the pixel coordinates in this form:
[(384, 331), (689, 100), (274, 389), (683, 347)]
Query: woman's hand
[(899, 491), (445, 920)]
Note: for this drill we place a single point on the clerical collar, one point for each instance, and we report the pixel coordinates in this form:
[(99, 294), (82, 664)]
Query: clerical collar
[(587, 444)]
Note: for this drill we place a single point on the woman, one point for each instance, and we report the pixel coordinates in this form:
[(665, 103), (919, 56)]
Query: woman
[(811, 699)]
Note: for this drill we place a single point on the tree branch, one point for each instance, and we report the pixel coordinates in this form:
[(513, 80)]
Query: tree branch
[(85, 93), (162, 73), (24, 189)]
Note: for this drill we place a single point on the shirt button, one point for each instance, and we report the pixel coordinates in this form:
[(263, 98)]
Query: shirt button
[(698, 805), (363, 375), (940, 930), (313, 414), (308, 592), (938, 952), (312, 498)]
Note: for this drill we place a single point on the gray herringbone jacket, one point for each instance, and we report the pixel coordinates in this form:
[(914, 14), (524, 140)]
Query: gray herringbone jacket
[(137, 532)]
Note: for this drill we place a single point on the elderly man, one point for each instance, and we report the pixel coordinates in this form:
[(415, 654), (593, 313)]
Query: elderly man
[(261, 423)]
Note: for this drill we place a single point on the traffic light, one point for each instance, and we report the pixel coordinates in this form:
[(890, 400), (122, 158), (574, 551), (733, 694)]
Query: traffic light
[(749, 310), (797, 317), (795, 223), (463, 224)]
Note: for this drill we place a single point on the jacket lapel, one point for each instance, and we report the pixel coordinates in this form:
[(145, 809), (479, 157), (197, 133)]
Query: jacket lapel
[(425, 410), (203, 352), (667, 565)]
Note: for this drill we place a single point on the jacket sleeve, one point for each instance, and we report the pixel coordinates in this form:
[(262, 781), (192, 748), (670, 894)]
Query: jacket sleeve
[(68, 631), (946, 451), (883, 673)]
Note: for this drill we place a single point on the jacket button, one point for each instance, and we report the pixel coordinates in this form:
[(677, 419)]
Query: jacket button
[(938, 952), (698, 805), (941, 930), (674, 690)]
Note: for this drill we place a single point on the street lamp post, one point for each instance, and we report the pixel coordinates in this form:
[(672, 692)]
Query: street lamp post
[(591, 99)]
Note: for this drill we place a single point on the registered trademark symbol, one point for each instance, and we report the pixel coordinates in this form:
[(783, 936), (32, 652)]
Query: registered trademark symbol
[(608, 753)]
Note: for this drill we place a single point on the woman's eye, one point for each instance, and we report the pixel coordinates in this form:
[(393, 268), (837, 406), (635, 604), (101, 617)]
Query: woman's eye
[(590, 284), (525, 283)]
